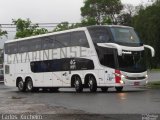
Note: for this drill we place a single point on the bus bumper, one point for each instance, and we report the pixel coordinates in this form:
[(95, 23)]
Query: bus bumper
[(125, 82)]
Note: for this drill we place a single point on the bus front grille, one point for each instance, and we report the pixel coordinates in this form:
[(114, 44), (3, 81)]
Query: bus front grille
[(135, 78)]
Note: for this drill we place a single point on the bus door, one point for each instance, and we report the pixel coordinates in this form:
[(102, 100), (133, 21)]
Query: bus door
[(9, 75), (110, 63)]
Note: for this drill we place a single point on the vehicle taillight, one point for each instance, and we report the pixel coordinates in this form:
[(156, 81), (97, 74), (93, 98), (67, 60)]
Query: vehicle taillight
[(118, 76)]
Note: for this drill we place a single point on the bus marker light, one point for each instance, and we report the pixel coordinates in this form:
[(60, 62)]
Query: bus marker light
[(122, 82)]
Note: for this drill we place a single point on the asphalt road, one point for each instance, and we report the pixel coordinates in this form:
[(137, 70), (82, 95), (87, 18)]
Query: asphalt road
[(67, 101), (131, 100), (153, 76)]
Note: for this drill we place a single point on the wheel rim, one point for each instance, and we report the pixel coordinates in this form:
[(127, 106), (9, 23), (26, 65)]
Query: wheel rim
[(20, 85), (29, 85), (91, 83), (76, 84)]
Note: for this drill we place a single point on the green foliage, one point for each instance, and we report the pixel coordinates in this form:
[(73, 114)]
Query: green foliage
[(65, 26), (125, 17), (96, 11), (3, 33), (25, 28), (147, 24)]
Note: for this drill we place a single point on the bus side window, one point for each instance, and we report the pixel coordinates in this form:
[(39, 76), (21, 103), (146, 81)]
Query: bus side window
[(48, 42), (79, 38), (63, 39), (35, 45), (6, 69), (11, 48), (23, 46)]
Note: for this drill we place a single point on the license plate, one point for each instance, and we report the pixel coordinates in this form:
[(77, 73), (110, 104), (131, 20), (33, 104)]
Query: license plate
[(136, 83)]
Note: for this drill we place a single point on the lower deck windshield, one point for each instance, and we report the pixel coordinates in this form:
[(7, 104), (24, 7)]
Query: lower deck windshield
[(133, 62)]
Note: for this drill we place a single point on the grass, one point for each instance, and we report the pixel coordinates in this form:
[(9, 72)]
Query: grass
[(155, 70), (154, 85)]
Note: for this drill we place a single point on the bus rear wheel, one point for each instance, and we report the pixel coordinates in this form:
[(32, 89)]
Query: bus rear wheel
[(92, 84), (29, 85), (119, 89), (78, 84), (21, 85)]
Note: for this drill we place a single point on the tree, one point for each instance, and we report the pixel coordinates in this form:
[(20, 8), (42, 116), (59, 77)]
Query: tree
[(62, 26), (96, 11), (65, 26), (3, 33), (147, 24), (25, 28), (125, 17)]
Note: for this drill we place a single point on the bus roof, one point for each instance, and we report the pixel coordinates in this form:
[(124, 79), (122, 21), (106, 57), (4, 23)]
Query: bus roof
[(60, 32)]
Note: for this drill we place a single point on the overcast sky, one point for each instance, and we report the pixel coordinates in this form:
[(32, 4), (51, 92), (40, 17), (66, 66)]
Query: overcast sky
[(45, 11)]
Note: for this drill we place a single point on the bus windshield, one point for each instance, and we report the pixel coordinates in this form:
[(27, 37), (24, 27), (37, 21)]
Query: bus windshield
[(134, 62), (125, 36)]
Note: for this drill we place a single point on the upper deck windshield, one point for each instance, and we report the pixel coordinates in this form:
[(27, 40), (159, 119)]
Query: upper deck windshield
[(125, 36), (121, 35)]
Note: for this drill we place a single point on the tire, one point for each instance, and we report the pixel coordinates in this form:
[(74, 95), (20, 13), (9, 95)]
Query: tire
[(104, 89), (78, 84), (92, 84), (29, 85), (119, 89), (21, 85)]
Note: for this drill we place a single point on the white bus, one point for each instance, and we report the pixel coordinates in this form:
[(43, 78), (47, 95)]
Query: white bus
[(88, 57)]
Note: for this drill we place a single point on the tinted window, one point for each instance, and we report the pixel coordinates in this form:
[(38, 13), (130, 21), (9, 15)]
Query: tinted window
[(106, 56), (6, 69), (63, 39), (125, 36), (61, 65), (99, 34), (134, 62), (23, 46), (11, 48), (35, 44), (79, 39), (49, 42), (84, 64)]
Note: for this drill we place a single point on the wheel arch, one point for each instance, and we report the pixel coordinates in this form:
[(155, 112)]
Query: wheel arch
[(28, 77)]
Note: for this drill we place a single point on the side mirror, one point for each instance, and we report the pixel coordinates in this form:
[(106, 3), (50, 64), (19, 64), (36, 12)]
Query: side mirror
[(152, 50)]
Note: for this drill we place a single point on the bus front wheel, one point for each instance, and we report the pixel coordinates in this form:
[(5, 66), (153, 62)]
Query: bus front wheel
[(119, 89), (21, 85), (78, 84), (92, 84), (29, 85)]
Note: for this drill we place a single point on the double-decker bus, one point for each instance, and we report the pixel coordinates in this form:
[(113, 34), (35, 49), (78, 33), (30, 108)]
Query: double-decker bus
[(88, 57)]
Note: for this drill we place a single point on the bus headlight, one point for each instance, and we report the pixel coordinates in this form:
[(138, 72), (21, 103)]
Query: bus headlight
[(122, 82)]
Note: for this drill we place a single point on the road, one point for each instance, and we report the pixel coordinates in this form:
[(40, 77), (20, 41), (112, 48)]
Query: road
[(67, 101), (154, 76), (131, 100)]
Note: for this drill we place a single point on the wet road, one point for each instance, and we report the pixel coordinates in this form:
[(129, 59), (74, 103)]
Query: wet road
[(132, 100), (153, 76)]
